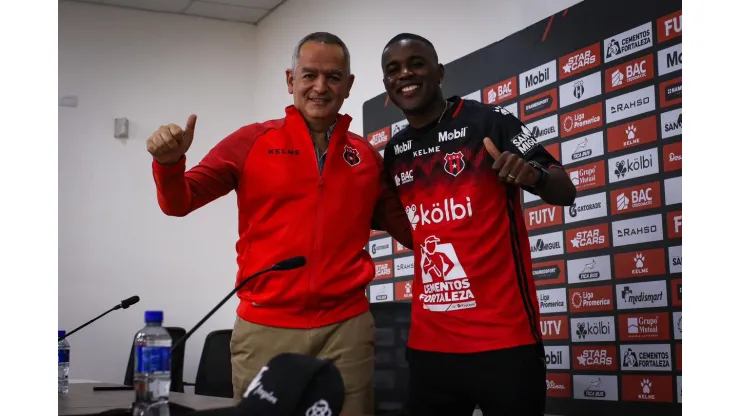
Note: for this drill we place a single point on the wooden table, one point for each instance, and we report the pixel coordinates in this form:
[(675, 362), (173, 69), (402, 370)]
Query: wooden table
[(82, 400)]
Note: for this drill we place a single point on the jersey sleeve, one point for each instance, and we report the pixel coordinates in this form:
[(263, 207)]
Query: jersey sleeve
[(510, 134)]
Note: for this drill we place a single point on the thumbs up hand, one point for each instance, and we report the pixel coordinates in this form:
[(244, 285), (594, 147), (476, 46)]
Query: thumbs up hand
[(170, 142), (511, 168)]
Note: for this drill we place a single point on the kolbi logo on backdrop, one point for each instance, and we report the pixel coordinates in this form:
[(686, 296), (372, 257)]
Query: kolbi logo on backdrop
[(629, 73), (589, 269), (628, 42), (587, 208), (633, 165), (498, 93), (580, 90), (637, 230), (630, 104), (439, 212), (552, 301), (583, 148), (544, 129), (581, 120), (642, 295), (646, 357), (580, 61), (671, 123), (545, 245), (595, 387), (670, 59), (538, 77), (592, 329)]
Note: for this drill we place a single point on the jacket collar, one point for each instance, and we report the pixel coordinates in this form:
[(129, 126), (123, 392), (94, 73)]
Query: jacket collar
[(341, 126)]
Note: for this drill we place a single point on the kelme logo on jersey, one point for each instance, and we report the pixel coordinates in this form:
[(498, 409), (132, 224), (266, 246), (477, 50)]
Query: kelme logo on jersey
[(403, 147), (439, 212), (445, 136)]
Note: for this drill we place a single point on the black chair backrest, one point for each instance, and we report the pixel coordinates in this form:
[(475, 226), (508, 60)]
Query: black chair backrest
[(177, 362), (214, 369)]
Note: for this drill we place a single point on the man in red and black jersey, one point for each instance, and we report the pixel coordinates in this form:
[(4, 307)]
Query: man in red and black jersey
[(458, 167)]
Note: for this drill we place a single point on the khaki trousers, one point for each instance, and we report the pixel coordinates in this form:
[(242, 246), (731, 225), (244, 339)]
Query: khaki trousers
[(350, 345)]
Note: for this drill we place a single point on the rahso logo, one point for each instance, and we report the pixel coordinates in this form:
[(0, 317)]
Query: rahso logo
[(446, 211), (452, 135)]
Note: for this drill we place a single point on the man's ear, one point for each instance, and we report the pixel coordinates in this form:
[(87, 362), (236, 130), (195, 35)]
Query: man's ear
[(441, 73), (350, 82), (289, 80)]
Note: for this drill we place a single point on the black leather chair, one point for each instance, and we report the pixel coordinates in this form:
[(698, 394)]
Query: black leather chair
[(214, 370), (177, 362)]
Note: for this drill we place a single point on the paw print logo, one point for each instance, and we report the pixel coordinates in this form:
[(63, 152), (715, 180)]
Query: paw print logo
[(581, 331), (639, 260), (646, 384), (631, 130), (413, 216)]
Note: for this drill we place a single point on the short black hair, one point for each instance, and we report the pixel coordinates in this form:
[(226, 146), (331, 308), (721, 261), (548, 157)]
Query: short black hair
[(412, 36), (322, 37)]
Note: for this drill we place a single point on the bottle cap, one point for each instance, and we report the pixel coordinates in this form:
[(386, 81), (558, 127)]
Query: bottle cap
[(61, 333), (153, 316)]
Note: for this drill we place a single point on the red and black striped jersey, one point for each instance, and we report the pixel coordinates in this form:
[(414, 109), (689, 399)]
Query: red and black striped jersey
[(473, 288)]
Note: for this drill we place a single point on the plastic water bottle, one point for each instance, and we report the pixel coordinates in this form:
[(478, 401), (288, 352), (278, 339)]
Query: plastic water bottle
[(63, 366), (152, 366)]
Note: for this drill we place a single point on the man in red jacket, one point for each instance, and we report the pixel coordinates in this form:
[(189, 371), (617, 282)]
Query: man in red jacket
[(305, 186)]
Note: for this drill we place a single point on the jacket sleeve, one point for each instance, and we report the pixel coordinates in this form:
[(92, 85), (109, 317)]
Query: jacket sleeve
[(180, 193), (389, 214)]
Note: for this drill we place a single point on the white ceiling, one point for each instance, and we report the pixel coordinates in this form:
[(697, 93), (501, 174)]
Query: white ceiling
[(247, 11)]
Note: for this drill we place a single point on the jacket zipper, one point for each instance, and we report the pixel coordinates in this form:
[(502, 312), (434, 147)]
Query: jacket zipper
[(317, 227)]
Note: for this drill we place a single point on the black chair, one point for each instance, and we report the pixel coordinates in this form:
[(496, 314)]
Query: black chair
[(177, 362), (214, 369)]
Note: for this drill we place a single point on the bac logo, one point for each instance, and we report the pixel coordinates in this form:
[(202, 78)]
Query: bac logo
[(669, 26), (635, 198), (629, 73), (498, 93)]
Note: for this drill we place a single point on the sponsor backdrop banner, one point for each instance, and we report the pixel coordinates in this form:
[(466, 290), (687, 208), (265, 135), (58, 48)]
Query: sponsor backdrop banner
[(600, 87)]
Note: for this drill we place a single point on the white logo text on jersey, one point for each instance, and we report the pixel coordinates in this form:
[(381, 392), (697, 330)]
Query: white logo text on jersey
[(445, 283), (439, 212)]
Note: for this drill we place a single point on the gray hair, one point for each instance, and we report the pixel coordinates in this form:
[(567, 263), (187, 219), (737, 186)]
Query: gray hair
[(322, 37)]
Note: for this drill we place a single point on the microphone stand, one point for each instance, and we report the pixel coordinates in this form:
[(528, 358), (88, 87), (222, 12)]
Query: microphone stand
[(220, 304), (90, 321)]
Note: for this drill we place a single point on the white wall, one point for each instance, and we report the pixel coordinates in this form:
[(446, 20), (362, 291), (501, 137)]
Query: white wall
[(154, 69), (456, 28), (114, 241)]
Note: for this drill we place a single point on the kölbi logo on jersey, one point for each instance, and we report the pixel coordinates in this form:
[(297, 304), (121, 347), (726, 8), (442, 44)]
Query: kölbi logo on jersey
[(445, 211), (445, 136)]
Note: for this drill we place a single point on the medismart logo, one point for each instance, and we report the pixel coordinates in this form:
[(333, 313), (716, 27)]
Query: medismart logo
[(628, 42), (642, 295), (630, 104), (538, 77)]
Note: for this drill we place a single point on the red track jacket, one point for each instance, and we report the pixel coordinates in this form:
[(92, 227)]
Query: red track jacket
[(287, 208)]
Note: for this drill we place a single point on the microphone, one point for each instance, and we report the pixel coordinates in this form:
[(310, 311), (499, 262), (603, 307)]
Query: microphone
[(287, 264), (123, 305)]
